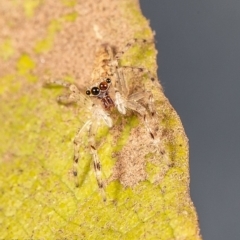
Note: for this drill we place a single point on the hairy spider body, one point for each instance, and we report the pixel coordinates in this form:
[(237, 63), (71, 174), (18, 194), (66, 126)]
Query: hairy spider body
[(107, 71)]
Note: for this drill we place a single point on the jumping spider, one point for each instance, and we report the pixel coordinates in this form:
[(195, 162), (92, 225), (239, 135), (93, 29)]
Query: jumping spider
[(107, 71)]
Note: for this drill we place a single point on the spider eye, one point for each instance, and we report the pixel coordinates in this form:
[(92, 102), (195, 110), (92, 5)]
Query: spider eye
[(103, 86), (108, 80), (95, 91), (88, 92)]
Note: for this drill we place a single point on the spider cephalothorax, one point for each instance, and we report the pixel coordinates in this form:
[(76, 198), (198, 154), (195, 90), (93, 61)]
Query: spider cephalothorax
[(101, 92)]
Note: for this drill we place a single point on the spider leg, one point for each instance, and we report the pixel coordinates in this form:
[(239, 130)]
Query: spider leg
[(121, 88), (122, 98), (139, 108), (57, 82), (75, 94), (104, 116), (98, 172), (77, 143), (91, 126), (121, 91), (96, 162), (119, 84), (66, 99), (145, 95)]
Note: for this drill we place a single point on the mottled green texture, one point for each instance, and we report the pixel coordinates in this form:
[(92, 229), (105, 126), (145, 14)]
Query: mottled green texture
[(6, 49), (30, 6), (24, 66), (38, 199), (69, 3), (71, 17), (53, 28), (47, 43)]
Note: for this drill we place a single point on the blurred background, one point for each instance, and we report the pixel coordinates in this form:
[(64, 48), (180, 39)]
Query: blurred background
[(199, 66)]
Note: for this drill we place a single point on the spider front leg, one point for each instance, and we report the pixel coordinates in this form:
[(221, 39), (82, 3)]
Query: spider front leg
[(96, 162), (133, 104), (125, 101), (74, 96), (148, 99), (91, 127), (77, 143), (98, 171), (147, 95)]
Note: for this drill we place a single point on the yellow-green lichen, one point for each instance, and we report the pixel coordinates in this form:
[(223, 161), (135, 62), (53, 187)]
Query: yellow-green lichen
[(69, 78), (132, 122), (69, 3), (46, 44), (25, 64), (24, 67), (136, 19), (7, 81), (71, 17), (30, 6), (6, 49), (152, 171)]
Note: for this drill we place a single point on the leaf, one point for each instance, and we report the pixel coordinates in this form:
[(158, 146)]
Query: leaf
[(147, 191)]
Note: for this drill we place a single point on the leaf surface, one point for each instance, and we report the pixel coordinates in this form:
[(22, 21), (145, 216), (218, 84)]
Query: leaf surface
[(147, 191)]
